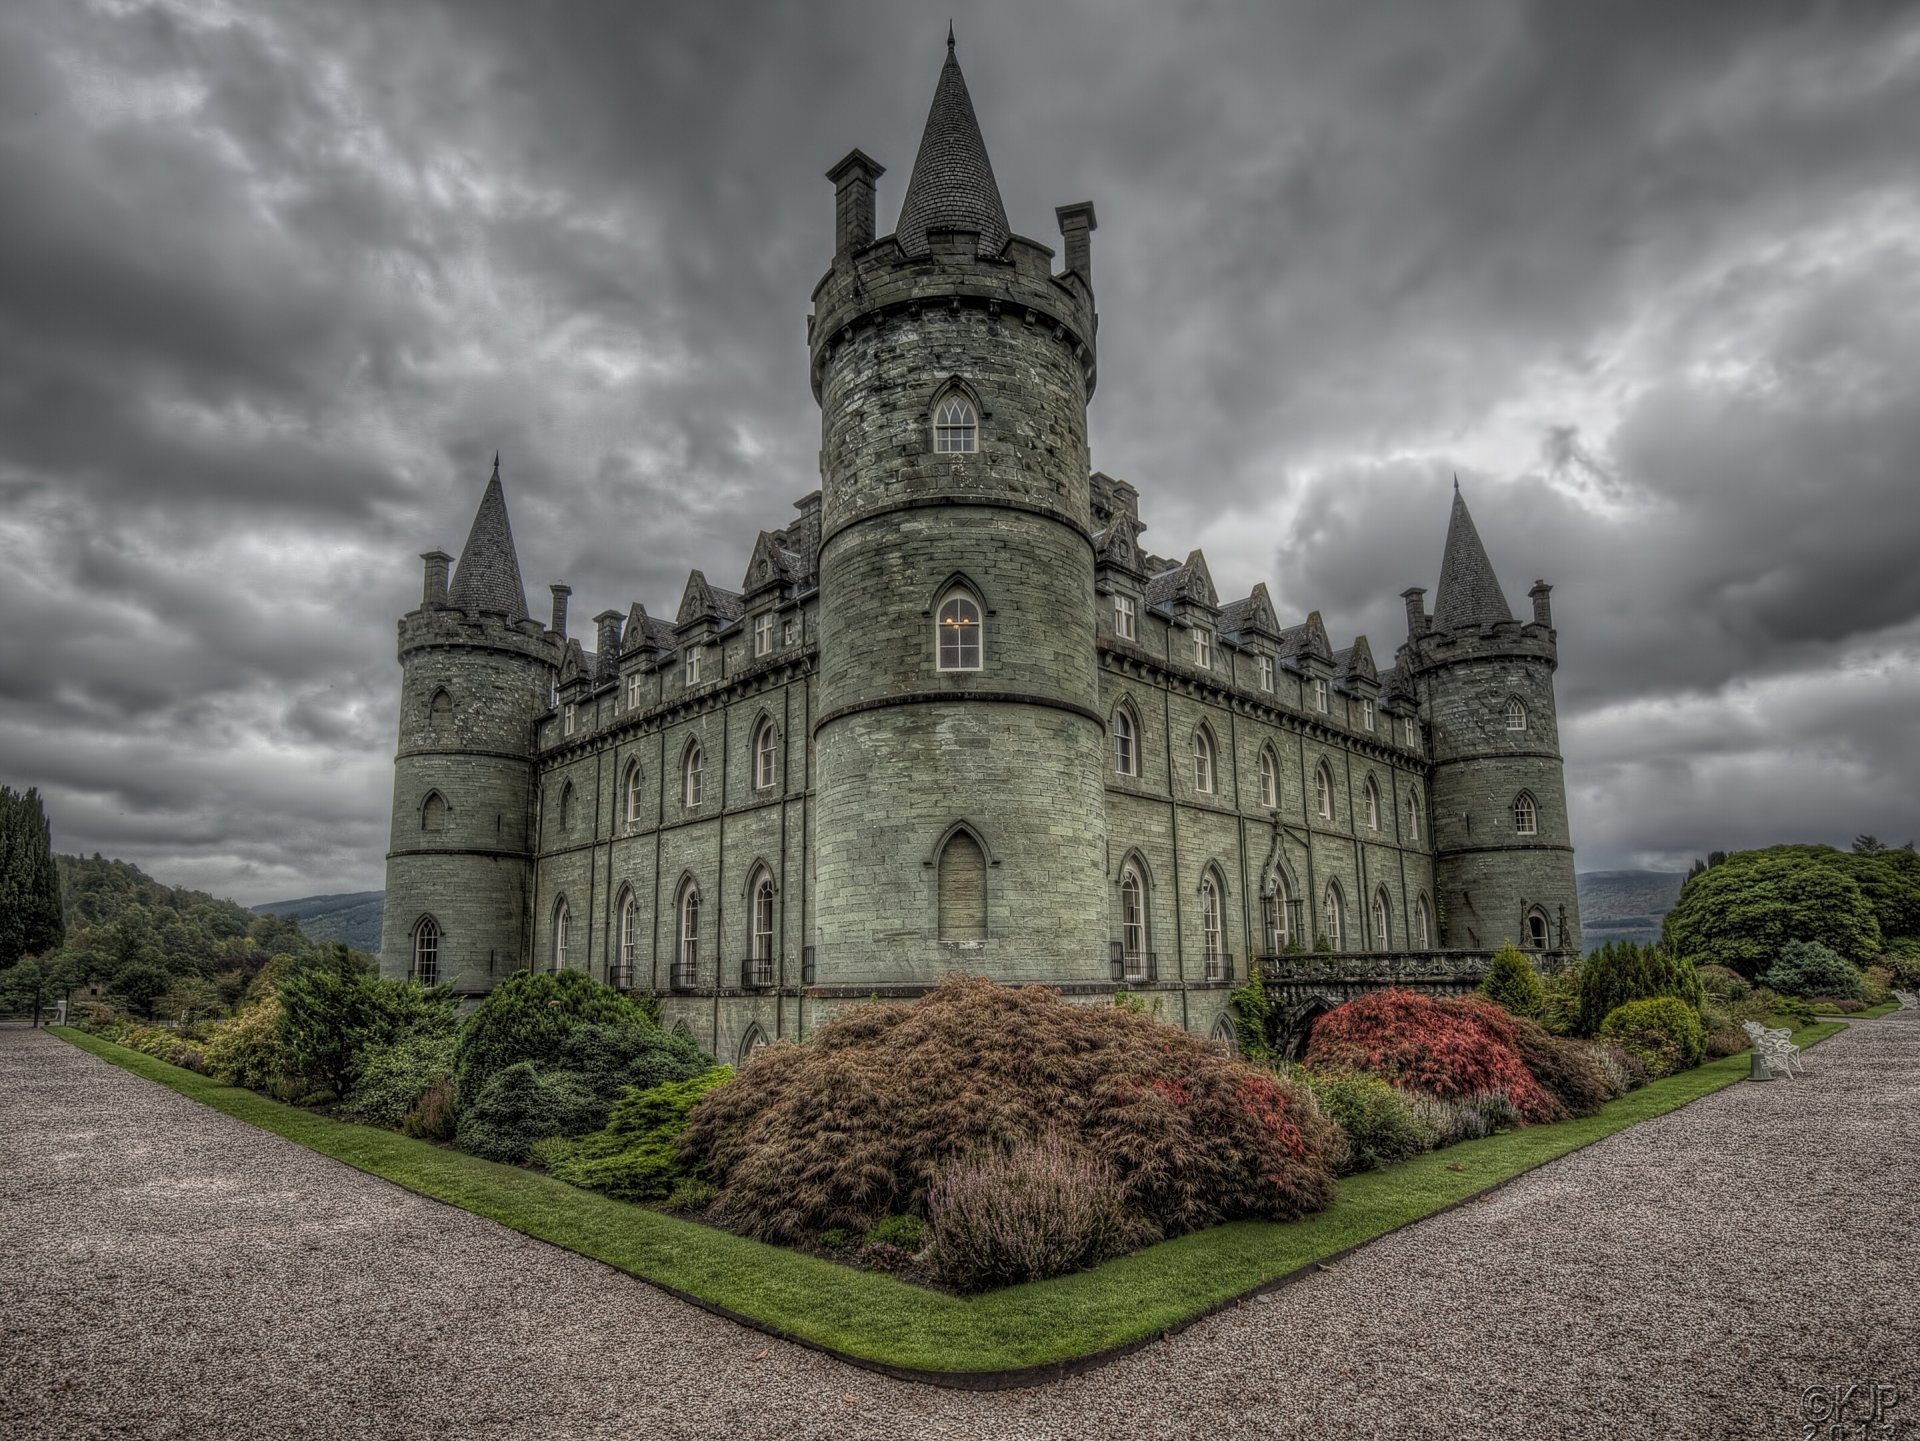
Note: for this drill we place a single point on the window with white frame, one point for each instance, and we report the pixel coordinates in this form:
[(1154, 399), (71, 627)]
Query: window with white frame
[(1133, 922), (1123, 617), (1203, 649), (763, 634), (629, 939), (789, 633), (1269, 779), (569, 718), (1126, 742), (1537, 932), (1413, 816), (955, 427), (761, 954), (1382, 922), (636, 690), (1280, 916), (1422, 925), (1266, 674), (1320, 696), (1410, 729), (631, 790), (1203, 761), (426, 952), (562, 923), (692, 776), (694, 659), (1526, 819), (1516, 713), (689, 947), (1333, 912), (1370, 798), (957, 632), (766, 756), (1211, 947), (1323, 791), (1366, 713)]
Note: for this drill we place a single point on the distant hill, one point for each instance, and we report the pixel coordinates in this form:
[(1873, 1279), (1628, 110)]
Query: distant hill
[(353, 917), (1625, 905)]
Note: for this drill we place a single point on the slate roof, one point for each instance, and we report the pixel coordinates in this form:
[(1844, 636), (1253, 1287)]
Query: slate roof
[(488, 576), (1253, 612), (1189, 582), (1355, 662), (1469, 593), (1307, 638), (952, 187)]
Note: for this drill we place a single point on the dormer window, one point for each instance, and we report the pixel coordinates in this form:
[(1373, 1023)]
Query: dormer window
[(1203, 649), (957, 627), (1266, 674), (763, 634), (1320, 696), (955, 427), (1366, 713), (569, 718), (1123, 617), (693, 666)]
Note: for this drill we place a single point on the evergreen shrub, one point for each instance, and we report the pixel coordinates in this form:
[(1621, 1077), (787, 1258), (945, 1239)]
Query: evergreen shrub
[(245, 1049), (906, 1231), (634, 1156), (520, 1105), (1568, 1069), (432, 1116), (1512, 984), (1622, 971), (1876, 985), (1663, 1032), (1723, 983), (393, 1078), (1381, 1123), (529, 1016), (1807, 968)]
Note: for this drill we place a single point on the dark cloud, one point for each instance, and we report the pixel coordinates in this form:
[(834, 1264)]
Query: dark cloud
[(276, 281)]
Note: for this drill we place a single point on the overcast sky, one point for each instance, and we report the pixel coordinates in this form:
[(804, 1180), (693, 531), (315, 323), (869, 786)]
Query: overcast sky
[(276, 280)]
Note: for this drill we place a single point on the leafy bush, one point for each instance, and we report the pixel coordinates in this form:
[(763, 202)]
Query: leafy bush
[(858, 1123), (1726, 1041), (1040, 1208), (1664, 1032), (1722, 983), (906, 1231), (1742, 911), (1876, 985), (529, 1016), (1452, 1047), (1621, 971), (1512, 984), (1381, 1126), (176, 1048), (394, 1077), (1903, 960), (245, 1050), (332, 1016), (1560, 1002), (1567, 1069), (520, 1105), (1842, 1005), (836, 1238), (1806, 968), (1252, 1012), (634, 1156), (432, 1117), (690, 1193), (609, 1058), (1625, 1071)]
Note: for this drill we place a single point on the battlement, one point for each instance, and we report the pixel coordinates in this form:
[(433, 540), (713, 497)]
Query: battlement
[(441, 626), (1527, 640)]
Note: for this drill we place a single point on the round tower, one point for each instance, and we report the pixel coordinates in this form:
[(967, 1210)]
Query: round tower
[(476, 673), (1503, 856), (957, 729)]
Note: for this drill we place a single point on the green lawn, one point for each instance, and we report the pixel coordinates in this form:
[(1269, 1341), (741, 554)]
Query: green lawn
[(875, 1319), (1871, 1013)]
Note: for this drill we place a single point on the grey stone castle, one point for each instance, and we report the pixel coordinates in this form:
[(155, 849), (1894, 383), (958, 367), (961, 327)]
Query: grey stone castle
[(956, 717)]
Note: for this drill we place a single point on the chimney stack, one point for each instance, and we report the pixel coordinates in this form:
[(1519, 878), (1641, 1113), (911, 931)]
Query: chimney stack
[(1077, 224), (1542, 604), (560, 594), (608, 643), (435, 589), (1416, 599), (853, 180)]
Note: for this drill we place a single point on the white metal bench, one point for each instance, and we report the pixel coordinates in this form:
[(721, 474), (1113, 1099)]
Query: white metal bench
[(1777, 1049)]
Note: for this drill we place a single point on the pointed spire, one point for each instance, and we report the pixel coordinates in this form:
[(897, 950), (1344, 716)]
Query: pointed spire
[(1469, 593), (488, 577), (952, 186)]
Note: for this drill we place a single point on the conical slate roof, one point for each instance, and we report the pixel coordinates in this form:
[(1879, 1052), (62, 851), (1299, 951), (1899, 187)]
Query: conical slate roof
[(1469, 593), (952, 186), (488, 576)]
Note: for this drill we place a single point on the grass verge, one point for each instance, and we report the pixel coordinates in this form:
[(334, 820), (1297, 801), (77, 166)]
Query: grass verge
[(877, 1321), (1871, 1013)]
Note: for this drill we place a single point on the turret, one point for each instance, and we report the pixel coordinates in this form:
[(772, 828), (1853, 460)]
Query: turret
[(959, 738), (475, 673), (1503, 856)]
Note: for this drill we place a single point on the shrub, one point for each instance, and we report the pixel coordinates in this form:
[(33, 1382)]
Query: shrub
[(1381, 1126), (520, 1105), (395, 1076), (1621, 971), (906, 1231), (1251, 1009), (1742, 911), (1876, 985), (176, 1048), (1722, 983), (1567, 1069), (332, 1016), (1464, 1118), (432, 1118), (1040, 1208), (856, 1124), (1625, 1071), (1726, 1041), (1452, 1047), (610, 1058), (1806, 968), (836, 1238), (634, 1157), (690, 1193), (1560, 1002), (1903, 960), (246, 1050), (1664, 1032), (1512, 984), (1841, 1004), (529, 1016)]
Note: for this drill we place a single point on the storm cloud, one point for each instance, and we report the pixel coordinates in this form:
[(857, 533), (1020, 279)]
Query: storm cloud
[(276, 280)]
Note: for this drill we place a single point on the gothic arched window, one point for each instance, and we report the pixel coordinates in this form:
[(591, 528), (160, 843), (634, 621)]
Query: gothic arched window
[(760, 939), (1126, 742), (1203, 761), (963, 889), (955, 426), (1212, 946), (1422, 925), (687, 953), (631, 790), (1526, 816), (566, 806), (766, 756), (1382, 922), (1413, 816), (1370, 795), (440, 710), (693, 776), (957, 631), (433, 812), (562, 922), (1333, 913), (426, 951), (1537, 931), (1133, 921), (1269, 779), (1323, 791), (1280, 917), (1516, 713)]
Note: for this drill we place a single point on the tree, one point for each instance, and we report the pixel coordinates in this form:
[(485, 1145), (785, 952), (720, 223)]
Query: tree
[(1512, 983), (143, 983), (31, 919), (1868, 846), (1621, 971), (1741, 912)]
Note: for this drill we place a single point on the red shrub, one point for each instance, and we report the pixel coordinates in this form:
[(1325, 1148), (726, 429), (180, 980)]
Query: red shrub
[(1455, 1047)]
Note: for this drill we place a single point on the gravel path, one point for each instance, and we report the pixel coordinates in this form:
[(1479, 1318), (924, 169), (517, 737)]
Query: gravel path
[(166, 1271)]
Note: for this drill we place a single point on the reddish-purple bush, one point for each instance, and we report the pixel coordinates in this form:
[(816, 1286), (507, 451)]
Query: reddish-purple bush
[(859, 1122), (1046, 1207), (1566, 1069)]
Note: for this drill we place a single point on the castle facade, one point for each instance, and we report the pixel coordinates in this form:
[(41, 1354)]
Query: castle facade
[(955, 716)]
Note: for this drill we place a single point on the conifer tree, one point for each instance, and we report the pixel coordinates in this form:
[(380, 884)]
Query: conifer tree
[(31, 921)]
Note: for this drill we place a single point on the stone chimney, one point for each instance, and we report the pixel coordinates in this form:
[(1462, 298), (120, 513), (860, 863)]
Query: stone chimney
[(853, 180), (434, 591), (1542, 604), (608, 642), (560, 594), (1416, 599), (1077, 224)]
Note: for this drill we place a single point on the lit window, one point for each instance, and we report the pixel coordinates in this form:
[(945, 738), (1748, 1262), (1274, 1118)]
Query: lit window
[(1332, 915), (562, 921), (634, 691), (958, 627), (693, 666), (1526, 820), (1366, 713), (1382, 922), (1516, 714), (954, 427), (766, 756), (1203, 649), (1133, 923), (693, 779), (1210, 945), (1269, 780), (568, 719), (1123, 617), (762, 634), (1370, 794), (1323, 791), (1320, 696), (1126, 743), (633, 793), (1266, 674), (426, 952), (1203, 761)]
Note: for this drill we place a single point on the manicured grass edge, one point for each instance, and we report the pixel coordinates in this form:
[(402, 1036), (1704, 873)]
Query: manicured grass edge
[(1020, 1336)]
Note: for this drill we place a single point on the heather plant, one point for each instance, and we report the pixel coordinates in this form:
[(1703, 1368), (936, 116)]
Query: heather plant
[(1039, 1208), (1512, 984), (1664, 1032), (1625, 1071), (432, 1116), (634, 1156), (1462, 1118), (1807, 968), (857, 1124), (1622, 971), (1381, 1124)]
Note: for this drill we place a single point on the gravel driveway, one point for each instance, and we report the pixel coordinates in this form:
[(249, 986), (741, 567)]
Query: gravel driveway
[(166, 1271)]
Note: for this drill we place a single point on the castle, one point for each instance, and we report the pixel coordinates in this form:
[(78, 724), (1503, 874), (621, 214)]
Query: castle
[(955, 717)]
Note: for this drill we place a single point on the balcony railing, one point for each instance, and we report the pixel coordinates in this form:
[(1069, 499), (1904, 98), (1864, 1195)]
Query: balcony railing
[(1219, 966), (684, 975), (756, 973), (620, 977)]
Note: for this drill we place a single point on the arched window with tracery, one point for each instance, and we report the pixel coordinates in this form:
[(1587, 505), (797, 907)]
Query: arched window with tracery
[(956, 427), (1526, 816), (1212, 938), (629, 941), (760, 941), (686, 959), (1126, 741), (766, 756), (426, 951), (1133, 922), (1203, 761), (957, 631), (1422, 925), (1279, 915), (1516, 713)]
